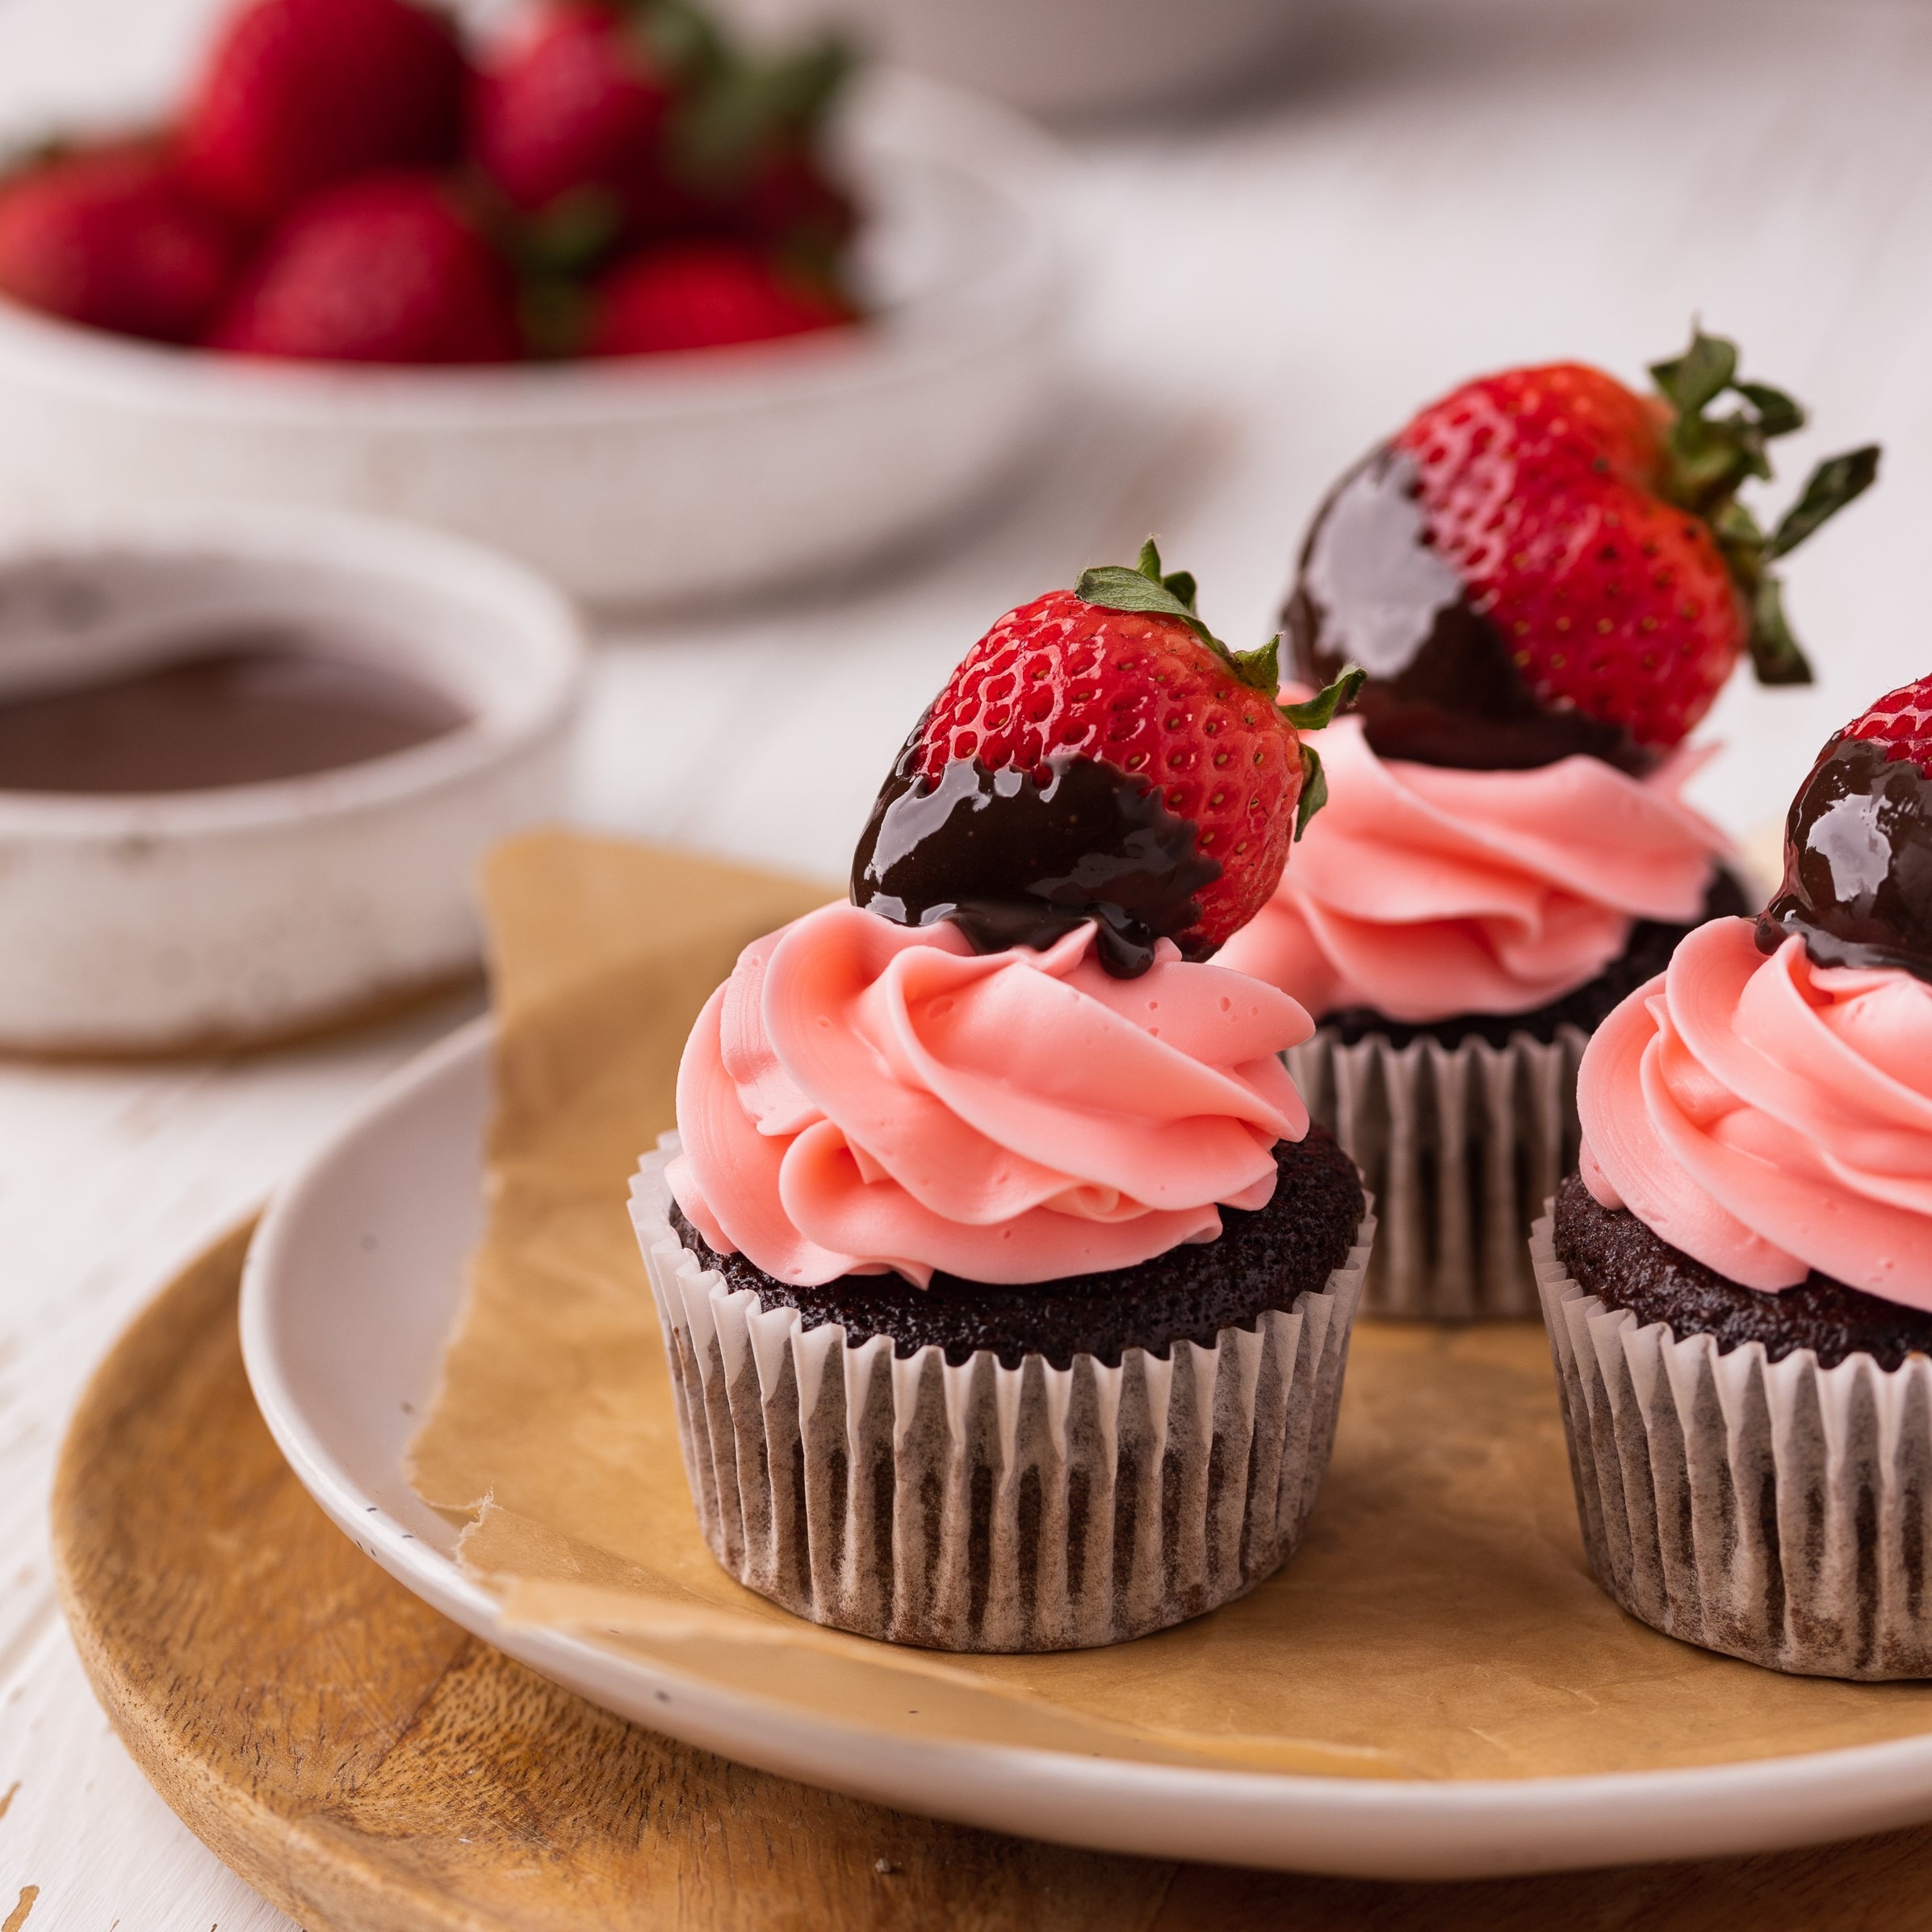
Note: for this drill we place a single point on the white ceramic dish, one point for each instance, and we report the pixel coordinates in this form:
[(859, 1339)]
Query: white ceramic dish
[(658, 480), (351, 1289), (150, 923)]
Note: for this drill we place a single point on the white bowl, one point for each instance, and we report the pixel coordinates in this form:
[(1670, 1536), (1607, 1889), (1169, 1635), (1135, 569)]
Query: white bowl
[(656, 480), (162, 922), (1083, 56)]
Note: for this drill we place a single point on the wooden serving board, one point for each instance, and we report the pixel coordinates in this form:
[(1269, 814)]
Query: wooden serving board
[(370, 1767)]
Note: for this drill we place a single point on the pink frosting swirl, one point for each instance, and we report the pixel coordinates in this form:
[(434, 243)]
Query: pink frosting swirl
[(861, 1096), (1423, 892), (1769, 1116)]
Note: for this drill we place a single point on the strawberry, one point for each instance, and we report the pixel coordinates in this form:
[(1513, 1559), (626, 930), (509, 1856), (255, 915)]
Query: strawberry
[(1115, 761), (113, 240), (1858, 843), (387, 269), (573, 110), (703, 295), (1901, 721), (298, 94), (1545, 562), (789, 204)]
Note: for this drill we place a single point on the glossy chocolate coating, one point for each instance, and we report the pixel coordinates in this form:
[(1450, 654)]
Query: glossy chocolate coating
[(1012, 862), (1443, 684), (1858, 862), (234, 711)]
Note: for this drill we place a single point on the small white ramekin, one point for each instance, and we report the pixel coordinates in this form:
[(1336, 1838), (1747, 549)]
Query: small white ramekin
[(656, 480), (179, 921)]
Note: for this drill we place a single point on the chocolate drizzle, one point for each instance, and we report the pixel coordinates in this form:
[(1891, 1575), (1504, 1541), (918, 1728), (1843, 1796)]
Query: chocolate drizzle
[(1443, 685), (1858, 862), (1012, 862)]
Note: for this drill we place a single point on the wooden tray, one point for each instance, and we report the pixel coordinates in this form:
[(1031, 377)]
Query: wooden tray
[(369, 1767)]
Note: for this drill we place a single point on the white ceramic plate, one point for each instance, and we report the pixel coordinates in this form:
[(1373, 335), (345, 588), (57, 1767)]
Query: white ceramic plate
[(652, 480), (351, 1289)]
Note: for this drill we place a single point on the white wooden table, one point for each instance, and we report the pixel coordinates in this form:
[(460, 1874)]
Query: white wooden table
[(1455, 185)]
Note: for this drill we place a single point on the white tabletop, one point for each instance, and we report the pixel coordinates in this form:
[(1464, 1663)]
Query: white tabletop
[(1462, 184)]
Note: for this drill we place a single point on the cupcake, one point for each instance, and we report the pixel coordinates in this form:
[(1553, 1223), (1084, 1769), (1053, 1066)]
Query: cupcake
[(1547, 579), (1738, 1282), (1006, 1286)]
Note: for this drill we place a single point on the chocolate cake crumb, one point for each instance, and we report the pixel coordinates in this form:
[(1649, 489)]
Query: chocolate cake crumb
[(1613, 1256), (1268, 1259), (1648, 953)]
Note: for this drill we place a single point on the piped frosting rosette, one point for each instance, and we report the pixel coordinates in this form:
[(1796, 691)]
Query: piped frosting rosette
[(861, 1096), (1422, 893), (1769, 1117)]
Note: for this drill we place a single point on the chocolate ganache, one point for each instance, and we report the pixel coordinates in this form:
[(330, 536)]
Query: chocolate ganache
[(1012, 860), (237, 711), (1858, 862), (1443, 686)]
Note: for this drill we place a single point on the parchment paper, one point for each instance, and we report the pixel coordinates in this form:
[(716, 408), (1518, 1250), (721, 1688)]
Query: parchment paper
[(1438, 1620)]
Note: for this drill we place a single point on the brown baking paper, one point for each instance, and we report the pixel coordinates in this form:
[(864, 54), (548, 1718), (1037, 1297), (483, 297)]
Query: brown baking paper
[(1438, 1620)]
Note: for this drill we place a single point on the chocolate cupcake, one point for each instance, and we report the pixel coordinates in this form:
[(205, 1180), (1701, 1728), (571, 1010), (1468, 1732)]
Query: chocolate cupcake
[(1547, 579), (1739, 1283), (1006, 1289)]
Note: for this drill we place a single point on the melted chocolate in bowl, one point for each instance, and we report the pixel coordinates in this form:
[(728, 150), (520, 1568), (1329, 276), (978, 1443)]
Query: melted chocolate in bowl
[(241, 710), (1858, 863), (1443, 685), (1014, 862)]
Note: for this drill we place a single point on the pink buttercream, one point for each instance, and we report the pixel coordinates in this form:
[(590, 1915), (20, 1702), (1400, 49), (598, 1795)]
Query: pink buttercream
[(1769, 1116), (861, 1096), (1423, 892)]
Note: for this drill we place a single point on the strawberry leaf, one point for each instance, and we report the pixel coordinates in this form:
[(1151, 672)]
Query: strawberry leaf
[(1313, 713), (1774, 653), (1314, 788), (1115, 587), (1706, 458), (1778, 414), (1696, 379), (1836, 482), (1259, 669), (1146, 588)]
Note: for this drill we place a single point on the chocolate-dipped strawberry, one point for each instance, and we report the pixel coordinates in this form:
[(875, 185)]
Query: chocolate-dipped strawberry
[(1858, 843), (1546, 562), (1098, 755)]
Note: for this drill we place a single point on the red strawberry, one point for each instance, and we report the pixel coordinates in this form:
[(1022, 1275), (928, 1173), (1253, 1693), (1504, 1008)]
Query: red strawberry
[(792, 206), (1545, 562), (112, 239), (383, 270), (703, 295), (1901, 721), (298, 94), (1098, 754), (1858, 843), (576, 105)]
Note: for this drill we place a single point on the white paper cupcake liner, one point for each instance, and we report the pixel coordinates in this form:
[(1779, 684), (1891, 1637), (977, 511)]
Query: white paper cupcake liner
[(986, 1508), (1776, 1511), (1460, 1145)]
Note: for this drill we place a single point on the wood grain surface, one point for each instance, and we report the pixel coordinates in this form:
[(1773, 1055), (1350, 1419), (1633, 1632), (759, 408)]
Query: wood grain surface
[(370, 1767)]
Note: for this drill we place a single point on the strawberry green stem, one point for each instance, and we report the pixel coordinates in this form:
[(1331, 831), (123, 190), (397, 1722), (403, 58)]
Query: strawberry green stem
[(1707, 458)]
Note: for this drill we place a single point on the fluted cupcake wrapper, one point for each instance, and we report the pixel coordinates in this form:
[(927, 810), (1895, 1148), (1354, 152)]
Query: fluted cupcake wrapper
[(979, 1507), (1460, 1145), (1777, 1511)]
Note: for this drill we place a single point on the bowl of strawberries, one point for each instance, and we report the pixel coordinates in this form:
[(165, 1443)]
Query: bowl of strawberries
[(665, 316)]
